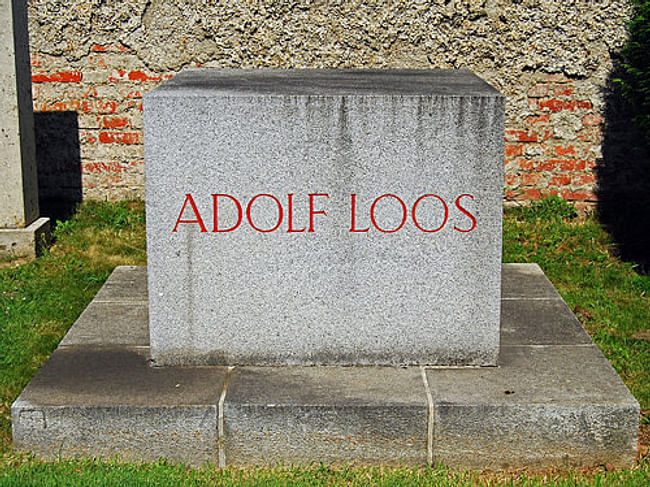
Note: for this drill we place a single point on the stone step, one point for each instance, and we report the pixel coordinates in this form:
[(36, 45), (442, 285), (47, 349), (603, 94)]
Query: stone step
[(553, 400)]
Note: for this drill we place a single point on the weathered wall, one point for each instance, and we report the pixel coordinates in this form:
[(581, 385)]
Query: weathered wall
[(552, 59)]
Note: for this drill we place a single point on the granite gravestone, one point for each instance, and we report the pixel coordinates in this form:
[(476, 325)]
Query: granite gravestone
[(324, 217)]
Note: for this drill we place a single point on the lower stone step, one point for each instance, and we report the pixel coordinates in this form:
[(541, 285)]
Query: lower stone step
[(554, 400)]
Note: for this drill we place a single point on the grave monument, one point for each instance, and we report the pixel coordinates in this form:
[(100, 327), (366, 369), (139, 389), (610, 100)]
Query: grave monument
[(324, 217), (324, 284), (21, 229)]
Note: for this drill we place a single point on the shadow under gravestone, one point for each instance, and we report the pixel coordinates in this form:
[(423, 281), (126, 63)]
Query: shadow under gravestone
[(624, 178), (58, 157)]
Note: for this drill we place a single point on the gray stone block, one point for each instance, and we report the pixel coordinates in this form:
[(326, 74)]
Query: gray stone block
[(18, 174), (330, 296), (123, 290), (130, 273), (540, 322), (111, 323), (25, 242), (103, 402), (544, 406), (330, 414), (526, 281)]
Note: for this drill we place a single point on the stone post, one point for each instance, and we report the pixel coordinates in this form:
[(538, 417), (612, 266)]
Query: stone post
[(21, 229)]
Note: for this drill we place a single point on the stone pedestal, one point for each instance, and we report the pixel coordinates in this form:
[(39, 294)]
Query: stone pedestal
[(324, 217), (20, 228), (554, 400)]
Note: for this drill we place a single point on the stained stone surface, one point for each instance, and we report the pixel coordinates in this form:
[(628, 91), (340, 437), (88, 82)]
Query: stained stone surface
[(108, 401), (554, 400), (543, 406), (331, 296), (377, 415)]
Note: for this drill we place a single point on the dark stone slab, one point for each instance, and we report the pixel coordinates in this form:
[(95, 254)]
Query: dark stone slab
[(326, 82), (331, 414), (544, 406), (540, 322), (111, 323), (103, 402)]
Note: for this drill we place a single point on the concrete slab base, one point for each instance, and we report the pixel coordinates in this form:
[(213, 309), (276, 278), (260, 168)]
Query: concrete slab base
[(554, 400), (25, 242)]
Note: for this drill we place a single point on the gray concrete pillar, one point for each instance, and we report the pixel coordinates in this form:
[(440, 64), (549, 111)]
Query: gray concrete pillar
[(20, 225)]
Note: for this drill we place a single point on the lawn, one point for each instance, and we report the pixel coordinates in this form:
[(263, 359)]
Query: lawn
[(40, 300)]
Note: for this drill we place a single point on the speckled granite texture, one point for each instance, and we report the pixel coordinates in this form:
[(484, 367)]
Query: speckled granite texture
[(331, 296)]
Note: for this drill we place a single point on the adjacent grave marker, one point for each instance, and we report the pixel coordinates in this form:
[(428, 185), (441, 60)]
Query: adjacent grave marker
[(20, 227), (324, 217)]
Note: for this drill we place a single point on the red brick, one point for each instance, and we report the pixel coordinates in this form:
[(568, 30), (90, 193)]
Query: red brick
[(103, 167), (532, 193), (538, 119), (511, 180), (591, 134), (109, 48), (555, 105), (562, 90), (591, 119), (520, 136), (560, 180), (141, 76), (525, 164), (565, 151), (119, 137), (584, 105), (584, 179), (549, 192), (115, 122), (529, 179), (513, 150), (58, 77), (560, 165), (578, 195)]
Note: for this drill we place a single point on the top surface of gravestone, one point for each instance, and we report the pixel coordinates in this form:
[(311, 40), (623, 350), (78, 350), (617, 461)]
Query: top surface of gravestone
[(306, 82)]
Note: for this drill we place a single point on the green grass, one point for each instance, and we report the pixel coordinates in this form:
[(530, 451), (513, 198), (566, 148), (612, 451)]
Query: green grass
[(610, 298), (40, 300), (89, 473)]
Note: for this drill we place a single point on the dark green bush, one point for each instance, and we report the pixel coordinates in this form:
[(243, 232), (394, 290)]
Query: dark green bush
[(636, 64)]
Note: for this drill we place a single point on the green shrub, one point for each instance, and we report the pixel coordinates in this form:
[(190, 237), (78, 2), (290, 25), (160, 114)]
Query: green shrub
[(636, 65)]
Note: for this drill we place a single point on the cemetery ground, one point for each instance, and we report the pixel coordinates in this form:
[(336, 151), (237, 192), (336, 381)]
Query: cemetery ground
[(40, 300)]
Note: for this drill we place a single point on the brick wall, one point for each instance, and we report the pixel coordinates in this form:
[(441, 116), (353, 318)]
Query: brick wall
[(95, 59)]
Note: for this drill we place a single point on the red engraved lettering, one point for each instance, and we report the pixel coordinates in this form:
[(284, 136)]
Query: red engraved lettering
[(290, 217), (190, 200), (463, 210), (312, 212), (215, 206), (444, 222), (353, 210), (250, 205), (372, 213)]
